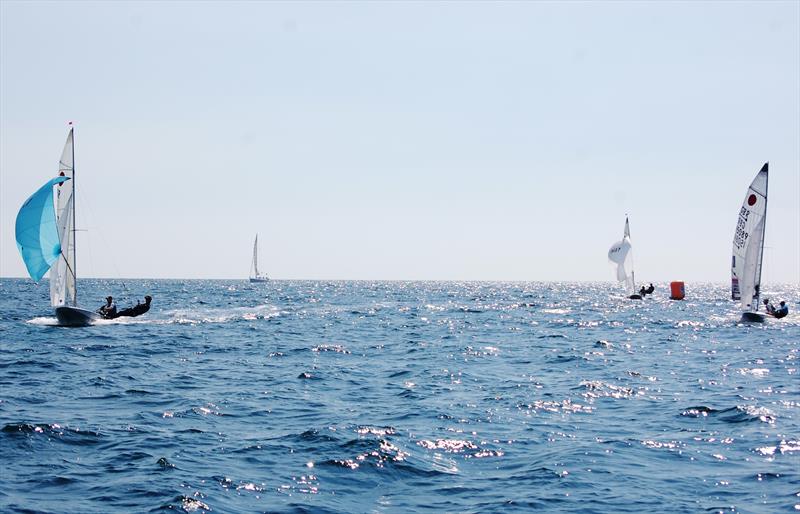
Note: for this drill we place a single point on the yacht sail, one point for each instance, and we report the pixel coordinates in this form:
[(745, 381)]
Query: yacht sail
[(36, 230), (45, 233), (255, 276), (621, 254), (748, 247), (63, 272)]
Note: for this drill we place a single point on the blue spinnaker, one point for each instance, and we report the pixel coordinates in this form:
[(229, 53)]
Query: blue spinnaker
[(37, 231)]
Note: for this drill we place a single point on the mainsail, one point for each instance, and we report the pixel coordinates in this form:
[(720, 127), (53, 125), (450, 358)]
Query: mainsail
[(62, 274), (621, 254), (36, 230), (254, 265), (255, 276), (748, 243)]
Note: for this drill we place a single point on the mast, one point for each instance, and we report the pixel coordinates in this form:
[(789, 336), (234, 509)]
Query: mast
[(628, 235), (74, 225), (764, 235)]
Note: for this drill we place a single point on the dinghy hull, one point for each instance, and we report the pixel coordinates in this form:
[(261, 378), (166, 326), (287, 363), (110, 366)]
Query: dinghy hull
[(752, 317), (76, 317)]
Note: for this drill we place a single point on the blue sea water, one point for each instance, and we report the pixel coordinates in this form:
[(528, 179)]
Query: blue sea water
[(398, 397)]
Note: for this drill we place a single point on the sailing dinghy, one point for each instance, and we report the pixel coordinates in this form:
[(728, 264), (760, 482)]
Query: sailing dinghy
[(621, 254), (748, 247), (255, 276), (45, 233)]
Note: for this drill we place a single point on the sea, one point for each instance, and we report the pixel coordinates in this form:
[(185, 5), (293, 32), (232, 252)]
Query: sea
[(359, 396)]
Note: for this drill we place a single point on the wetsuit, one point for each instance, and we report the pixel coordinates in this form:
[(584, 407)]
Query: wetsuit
[(108, 311), (137, 310)]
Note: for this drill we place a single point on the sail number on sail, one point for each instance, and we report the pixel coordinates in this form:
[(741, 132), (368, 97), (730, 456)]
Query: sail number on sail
[(741, 234)]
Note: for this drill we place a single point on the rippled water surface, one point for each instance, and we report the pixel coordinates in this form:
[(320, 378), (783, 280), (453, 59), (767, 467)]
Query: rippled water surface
[(398, 397)]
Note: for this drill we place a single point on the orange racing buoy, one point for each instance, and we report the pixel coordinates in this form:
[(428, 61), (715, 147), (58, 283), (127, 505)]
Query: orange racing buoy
[(676, 291)]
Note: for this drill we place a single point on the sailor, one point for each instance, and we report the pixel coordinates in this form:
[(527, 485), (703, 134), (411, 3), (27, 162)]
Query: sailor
[(138, 309), (781, 311), (642, 292), (109, 310), (650, 289)]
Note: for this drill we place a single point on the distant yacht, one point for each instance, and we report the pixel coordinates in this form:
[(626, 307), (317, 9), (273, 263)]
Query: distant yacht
[(255, 276)]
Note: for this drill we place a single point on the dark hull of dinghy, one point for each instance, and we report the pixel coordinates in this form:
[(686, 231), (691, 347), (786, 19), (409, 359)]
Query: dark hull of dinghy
[(752, 317), (76, 317)]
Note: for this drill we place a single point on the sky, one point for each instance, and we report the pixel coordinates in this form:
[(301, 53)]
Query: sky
[(405, 140)]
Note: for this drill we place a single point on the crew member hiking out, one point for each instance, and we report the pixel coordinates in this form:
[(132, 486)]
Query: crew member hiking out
[(138, 309)]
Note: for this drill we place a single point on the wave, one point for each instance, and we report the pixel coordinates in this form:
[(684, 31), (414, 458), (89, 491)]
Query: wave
[(71, 436), (187, 504), (784, 446), (738, 414), (221, 315)]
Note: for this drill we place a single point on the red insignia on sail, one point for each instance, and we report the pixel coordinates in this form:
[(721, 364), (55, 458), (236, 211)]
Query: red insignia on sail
[(751, 200)]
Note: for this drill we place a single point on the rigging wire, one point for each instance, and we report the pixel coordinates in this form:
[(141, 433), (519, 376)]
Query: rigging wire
[(99, 231)]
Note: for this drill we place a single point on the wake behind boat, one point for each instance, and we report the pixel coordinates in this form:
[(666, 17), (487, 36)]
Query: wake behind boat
[(748, 247)]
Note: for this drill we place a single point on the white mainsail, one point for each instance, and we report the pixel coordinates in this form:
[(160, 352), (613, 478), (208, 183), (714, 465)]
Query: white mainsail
[(254, 265), (621, 254), (255, 276), (62, 274), (748, 243)]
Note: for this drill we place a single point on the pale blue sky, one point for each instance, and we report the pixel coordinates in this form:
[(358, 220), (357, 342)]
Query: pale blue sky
[(405, 140)]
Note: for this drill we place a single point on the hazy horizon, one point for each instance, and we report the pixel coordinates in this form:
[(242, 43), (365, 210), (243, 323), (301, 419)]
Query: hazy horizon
[(245, 281)]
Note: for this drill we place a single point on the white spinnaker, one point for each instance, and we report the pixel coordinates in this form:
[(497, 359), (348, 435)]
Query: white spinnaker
[(62, 274), (621, 254), (748, 244)]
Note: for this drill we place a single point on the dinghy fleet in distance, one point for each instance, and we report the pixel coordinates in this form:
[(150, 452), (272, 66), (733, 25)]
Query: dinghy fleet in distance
[(45, 234), (746, 260)]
